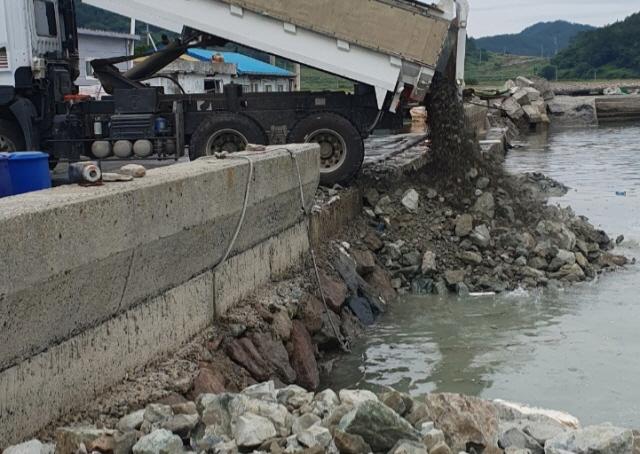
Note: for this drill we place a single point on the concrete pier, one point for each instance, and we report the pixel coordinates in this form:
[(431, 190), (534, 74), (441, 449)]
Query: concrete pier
[(95, 282)]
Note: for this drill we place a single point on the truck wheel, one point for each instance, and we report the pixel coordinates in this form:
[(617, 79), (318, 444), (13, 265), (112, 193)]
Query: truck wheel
[(224, 132), (11, 138), (341, 146)]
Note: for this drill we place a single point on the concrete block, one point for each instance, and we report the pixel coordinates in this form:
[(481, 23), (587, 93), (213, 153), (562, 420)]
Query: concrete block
[(41, 389), (75, 257)]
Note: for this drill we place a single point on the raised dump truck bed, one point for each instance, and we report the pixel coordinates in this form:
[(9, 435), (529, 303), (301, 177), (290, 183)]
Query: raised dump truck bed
[(388, 44)]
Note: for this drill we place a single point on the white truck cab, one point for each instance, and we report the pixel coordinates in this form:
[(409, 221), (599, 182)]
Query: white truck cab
[(33, 30)]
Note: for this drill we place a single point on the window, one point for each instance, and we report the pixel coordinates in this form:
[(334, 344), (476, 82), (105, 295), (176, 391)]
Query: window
[(268, 88), (45, 18), (4, 58), (280, 87), (255, 88)]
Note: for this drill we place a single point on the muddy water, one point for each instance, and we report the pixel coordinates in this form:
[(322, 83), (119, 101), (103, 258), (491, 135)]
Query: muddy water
[(576, 350)]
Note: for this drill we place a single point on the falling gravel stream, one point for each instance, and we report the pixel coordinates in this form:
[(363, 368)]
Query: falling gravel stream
[(576, 350)]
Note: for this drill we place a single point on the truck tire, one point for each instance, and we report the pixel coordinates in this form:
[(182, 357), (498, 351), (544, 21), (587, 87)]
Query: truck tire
[(225, 131), (341, 146), (11, 138)]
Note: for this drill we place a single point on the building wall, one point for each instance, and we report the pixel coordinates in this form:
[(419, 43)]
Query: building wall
[(260, 84), (94, 47)]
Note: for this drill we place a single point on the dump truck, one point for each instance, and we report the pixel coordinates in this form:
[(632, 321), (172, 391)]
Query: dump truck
[(390, 49)]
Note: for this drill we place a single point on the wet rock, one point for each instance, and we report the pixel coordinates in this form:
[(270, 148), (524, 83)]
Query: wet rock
[(132, 421), (429, 264), (245, 353), (570, 273), (251, 430), (422, 286), (557, 233), (159, 442), (612, 261), (208, 381), (464, 225), (603, 439), (365, 262), (411, 200), (275, 354), (181, 425), (315, 435), (563, 257), (349, 443), (30, 447), (379, 426), (69, 439), (362, 309), (303, 357), (481, 236), (334, 290), (516, 438), (464, 420), (485, 206), (408, 447), (440, 288), (380, 280), (328, 338), (355, 397), (454, 277)]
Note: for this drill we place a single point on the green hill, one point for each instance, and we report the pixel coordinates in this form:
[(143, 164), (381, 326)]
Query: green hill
[(543, 39), (611, 52)]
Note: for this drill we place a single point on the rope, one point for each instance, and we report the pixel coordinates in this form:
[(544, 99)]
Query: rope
[(343, 344), (244, 206)]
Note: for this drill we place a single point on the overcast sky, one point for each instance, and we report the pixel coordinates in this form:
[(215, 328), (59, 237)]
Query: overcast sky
[(494, 17)]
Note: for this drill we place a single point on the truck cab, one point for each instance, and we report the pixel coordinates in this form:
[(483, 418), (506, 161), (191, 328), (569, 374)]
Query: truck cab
[(38, 64)]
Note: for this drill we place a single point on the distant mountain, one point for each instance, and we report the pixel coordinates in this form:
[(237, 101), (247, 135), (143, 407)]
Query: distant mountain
[(543, 39), (610, 52), (99, 19)]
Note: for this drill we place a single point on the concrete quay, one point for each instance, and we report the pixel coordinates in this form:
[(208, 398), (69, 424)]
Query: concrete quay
[(95, 282)]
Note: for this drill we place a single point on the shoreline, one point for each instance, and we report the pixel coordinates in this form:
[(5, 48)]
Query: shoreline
[(284, 332)]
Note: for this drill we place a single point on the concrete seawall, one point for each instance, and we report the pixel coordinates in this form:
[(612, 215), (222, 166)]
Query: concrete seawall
[(95, 282)]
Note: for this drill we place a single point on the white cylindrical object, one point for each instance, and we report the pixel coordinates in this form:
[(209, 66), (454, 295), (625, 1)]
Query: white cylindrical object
[(143, 148), (101, 149), (122, 149), (97, 128)]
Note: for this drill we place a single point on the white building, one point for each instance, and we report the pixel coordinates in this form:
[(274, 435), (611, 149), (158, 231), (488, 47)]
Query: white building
[(96, 44), (254, 75)]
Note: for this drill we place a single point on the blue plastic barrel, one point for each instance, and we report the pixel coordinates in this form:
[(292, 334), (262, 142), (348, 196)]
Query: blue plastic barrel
[(24, 171)]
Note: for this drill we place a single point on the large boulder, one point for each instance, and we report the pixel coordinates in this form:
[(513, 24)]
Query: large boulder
[(30, 447), (303, 357), (334, 290), (379, 426), (244, 352), (485, 206), (464, 420), (250, 430), (275, 354), (603, 439), (69, 439), (159, 441)]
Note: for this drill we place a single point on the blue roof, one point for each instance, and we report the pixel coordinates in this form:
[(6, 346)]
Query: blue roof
[(246, 65)]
